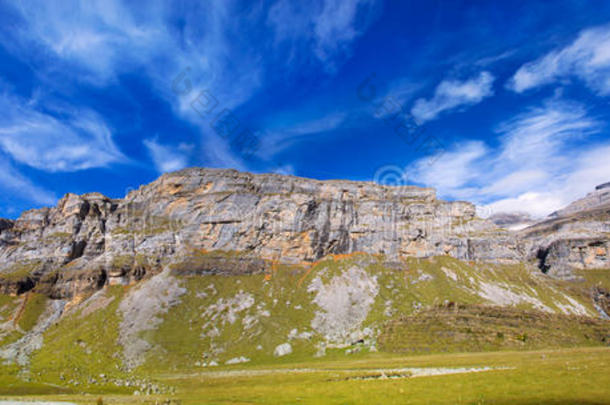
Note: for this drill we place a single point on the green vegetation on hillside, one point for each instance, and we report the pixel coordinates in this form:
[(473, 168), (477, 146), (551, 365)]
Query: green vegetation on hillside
[(223, 317), (80, 348), (393, 306), (566, 376), (20, 271), (20, 315), (8, 304), (596, 278), (31, 310), (463, 328)]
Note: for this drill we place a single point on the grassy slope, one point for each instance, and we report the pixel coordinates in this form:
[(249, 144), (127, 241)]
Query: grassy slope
[(20, 314), (586, 281), (180, 335), (79, 348), (568, 376), (402, 292), (31, 311), (559, 377), (82, 347), (600, 277), (289, 304), (483, 328), (9, 308)]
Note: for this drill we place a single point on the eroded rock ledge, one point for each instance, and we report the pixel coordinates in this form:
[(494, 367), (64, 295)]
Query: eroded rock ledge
[(88, 241)]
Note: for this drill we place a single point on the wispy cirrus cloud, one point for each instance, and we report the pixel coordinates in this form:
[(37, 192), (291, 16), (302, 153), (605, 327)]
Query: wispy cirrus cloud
[(587, 58), (335, 27), (279, 138), (453, 173), (451, 94), (16, 186), (72, 139), (102, 40), (400, 92), (328, 27), (97, 39), (218, 153), (538, 166), (168, 158)]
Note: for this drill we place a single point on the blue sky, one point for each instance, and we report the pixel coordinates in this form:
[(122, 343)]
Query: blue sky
[(505, 104)]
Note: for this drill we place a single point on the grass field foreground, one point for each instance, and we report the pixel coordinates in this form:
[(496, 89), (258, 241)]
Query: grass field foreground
[(565, 376)]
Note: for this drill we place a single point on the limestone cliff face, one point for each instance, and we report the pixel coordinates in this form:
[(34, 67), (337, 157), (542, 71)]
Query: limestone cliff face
[(576, 237), (573, 240), (35, 248), (88, 241), (293, 219)]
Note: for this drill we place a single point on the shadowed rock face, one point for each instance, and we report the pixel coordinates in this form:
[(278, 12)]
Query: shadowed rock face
[(90, 240), (603, 186), (563, 255), (5, 224)]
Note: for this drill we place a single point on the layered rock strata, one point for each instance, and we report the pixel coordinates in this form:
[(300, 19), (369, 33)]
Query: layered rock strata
[(228, 222)]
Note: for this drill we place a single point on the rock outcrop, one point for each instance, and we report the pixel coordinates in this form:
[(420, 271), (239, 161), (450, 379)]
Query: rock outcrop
[(88, 241), (577, 237), (598, 198), (513, 221), (5, 224)]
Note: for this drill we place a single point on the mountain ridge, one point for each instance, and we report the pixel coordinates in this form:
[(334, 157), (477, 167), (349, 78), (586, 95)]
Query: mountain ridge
[(90, 240)]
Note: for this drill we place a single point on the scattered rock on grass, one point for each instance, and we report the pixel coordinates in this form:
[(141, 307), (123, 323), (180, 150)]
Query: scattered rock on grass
[(282, 350)]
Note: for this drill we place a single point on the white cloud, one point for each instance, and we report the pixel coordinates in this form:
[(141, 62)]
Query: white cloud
[(539, 137), (100, 40), (287, 170), (218, 153), (451, 172), (281, 138), (334, 27), (328, 27), (105, 38), (590, 167), (102, 36), (586, 58), (80, 140), (515, 182), (494, 59), (450, 94), (403, 90), (167, 158), (14, 183), (537, 205), (538, 167), (394, 100)]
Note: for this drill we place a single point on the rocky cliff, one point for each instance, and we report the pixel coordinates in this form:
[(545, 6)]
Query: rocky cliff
[(598, 198), (88, 241), (577, 237)]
